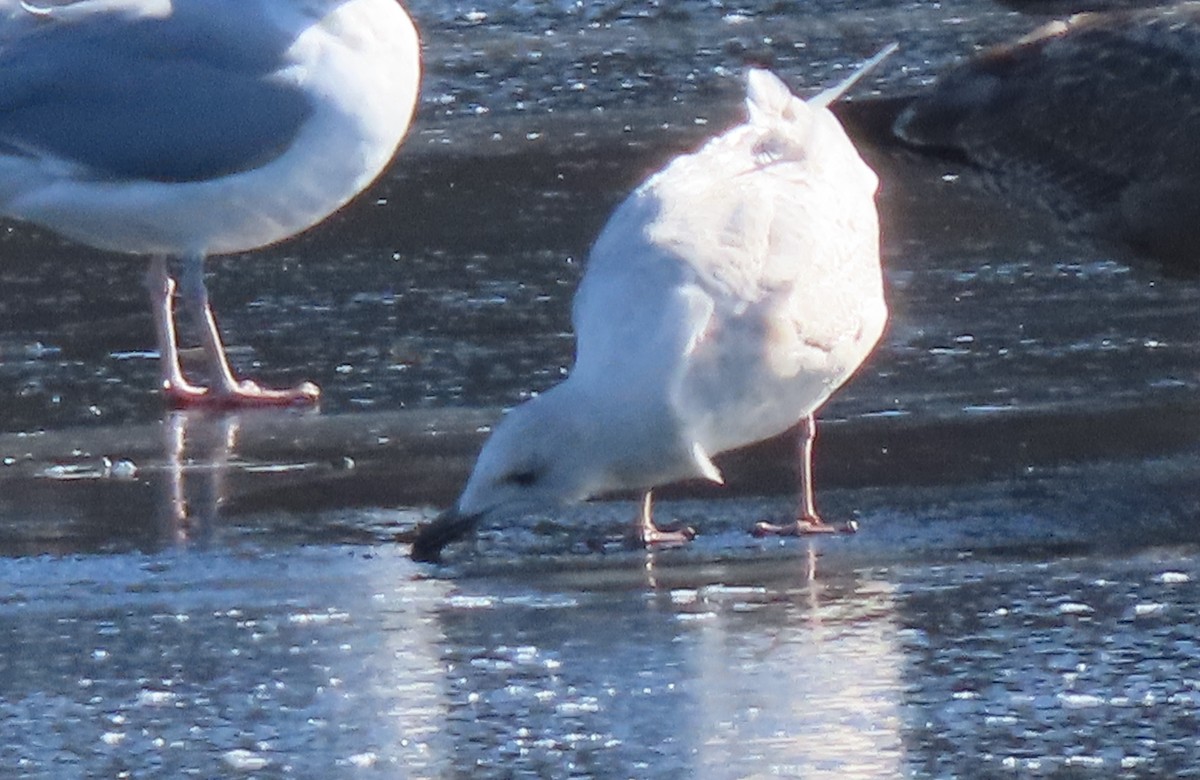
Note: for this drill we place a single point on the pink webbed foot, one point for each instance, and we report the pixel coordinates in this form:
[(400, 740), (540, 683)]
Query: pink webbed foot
[(244, 395), (644, 533), (804, 526), (663, 537)]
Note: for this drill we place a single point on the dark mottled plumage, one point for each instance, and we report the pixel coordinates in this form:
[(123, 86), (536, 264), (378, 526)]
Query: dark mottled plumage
[(1096, 116)]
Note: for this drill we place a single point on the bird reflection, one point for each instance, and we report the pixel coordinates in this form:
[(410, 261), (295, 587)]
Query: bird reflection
[(198, 448), (834, 712), (751, 670)]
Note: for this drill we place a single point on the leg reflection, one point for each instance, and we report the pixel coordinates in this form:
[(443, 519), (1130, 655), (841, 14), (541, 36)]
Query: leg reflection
[(198, 448)]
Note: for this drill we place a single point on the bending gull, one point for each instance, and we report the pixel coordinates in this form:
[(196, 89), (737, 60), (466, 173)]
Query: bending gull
[(726, 299), (185, 128)]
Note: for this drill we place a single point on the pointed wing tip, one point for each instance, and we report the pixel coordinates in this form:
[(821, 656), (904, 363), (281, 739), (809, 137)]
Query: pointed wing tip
[(36, 10), (766, 93), (828, 96), (706, 467)]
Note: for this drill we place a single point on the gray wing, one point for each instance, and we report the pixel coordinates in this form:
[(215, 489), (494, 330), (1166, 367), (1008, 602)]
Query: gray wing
[(189, 97)]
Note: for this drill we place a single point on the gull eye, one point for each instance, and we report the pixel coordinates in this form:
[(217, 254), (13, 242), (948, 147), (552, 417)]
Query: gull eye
[(524, 478)]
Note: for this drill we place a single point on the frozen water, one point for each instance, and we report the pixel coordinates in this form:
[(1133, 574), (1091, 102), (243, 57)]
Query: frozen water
[(1021, 454)]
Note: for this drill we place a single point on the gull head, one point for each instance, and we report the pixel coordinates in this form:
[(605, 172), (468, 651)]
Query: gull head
[(537, 456), (540, 455)]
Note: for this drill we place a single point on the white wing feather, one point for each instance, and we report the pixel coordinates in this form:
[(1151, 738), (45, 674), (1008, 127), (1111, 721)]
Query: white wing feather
[(754, 263)]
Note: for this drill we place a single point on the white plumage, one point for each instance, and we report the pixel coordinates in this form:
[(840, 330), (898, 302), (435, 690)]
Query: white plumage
[(726, 299)]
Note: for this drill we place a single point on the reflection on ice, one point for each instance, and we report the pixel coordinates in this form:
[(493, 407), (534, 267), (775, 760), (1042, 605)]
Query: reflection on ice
[(198, 448), (326, 659), (827, 704), (790, 678)]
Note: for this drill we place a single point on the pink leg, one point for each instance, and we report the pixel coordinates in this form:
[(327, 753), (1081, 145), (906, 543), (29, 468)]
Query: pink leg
[(807, 520), (227, 391), (647, 534), (162, 295)]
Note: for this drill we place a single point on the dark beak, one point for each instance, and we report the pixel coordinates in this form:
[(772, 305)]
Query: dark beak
[(449, 526)]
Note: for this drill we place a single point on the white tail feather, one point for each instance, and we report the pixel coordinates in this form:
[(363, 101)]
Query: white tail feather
[(825, 97), (768, 99)]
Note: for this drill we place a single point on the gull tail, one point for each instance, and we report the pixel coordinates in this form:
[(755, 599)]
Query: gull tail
[(768, 99), (827, 97), (784, 121)]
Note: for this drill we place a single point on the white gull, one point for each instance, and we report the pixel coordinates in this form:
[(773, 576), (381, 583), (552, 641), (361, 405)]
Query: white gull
[(726, 299), (186, 128)]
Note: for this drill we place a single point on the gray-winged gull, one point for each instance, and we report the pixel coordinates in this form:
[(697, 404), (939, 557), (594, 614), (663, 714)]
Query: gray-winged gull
[(186, 128), (726, 299)]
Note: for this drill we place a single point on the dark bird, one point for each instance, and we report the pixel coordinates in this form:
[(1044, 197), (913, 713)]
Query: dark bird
[(1096, 117)]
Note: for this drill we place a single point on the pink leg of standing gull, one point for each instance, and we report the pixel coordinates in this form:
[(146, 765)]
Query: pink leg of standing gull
[(807, 520), (647, 534), (226, 391)]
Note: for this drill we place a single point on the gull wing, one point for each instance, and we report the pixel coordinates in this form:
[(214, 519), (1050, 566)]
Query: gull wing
[(741, 284), (115, 89)]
